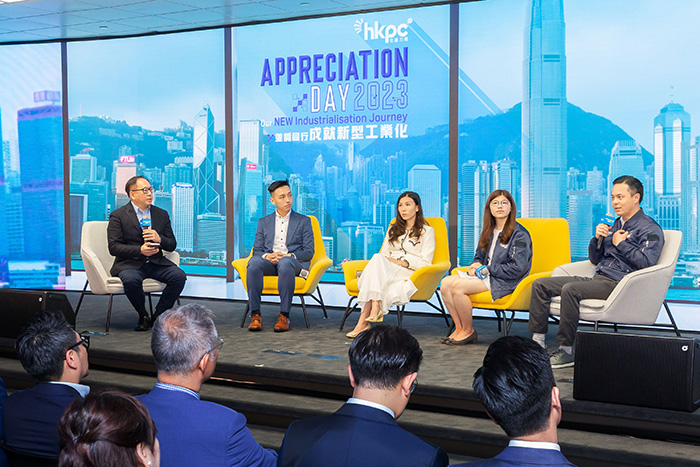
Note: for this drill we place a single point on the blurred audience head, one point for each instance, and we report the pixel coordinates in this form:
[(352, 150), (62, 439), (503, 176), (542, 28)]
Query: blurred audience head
[(183, 338), (50, 350), (108, 428), (516, 386)]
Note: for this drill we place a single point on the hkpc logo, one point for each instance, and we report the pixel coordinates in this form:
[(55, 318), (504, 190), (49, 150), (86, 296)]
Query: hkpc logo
[(390, 32)]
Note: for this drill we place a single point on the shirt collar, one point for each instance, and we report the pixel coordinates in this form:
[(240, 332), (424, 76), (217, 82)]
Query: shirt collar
[(279, 216), (383, 408), (138, 210), (520, 443), (172, 387), (82, 389)]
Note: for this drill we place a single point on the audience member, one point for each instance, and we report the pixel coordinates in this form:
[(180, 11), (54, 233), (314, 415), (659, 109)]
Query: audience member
[(383, 369), (193, 432), (108, 429), (516, 386), (56, 356), (3, 396)]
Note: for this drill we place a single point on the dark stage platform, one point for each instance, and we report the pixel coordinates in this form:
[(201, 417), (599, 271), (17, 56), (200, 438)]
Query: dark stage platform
[(276, 378)]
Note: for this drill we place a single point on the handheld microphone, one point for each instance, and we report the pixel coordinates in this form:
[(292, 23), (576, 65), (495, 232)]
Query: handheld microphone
[(145, 223), (607, 220)]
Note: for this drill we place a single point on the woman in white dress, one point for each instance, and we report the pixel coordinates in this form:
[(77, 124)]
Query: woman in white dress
[(409, 244), (502, 259)]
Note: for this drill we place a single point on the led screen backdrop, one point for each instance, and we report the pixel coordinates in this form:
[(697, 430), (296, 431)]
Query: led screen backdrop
[(582, 93), (152, 106), (32, 235), (353, 111)]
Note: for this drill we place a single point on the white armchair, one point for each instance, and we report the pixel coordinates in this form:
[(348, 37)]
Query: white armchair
[(98, 261), (637, 298)]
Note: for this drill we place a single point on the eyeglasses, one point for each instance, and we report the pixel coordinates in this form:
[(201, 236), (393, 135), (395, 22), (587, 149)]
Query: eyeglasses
[(414, 384), (147, 190), (84, 341), (217, 346), (503, 203)]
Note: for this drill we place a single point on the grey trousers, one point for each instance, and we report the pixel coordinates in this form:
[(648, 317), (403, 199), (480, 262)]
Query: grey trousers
[(572, 290), (286, 270)]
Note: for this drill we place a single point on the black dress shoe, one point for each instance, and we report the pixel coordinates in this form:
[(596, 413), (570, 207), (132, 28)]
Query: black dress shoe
[(144, 324)]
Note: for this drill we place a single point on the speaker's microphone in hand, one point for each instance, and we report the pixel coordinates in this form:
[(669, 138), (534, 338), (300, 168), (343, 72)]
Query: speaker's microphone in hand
[(146, 223), (608, 220)]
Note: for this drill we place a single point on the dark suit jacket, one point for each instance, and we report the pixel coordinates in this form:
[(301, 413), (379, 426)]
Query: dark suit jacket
[(300, 237), (194, 432), (125, 238), (355, 435), (31, 417), (512, 456), (3, 396)]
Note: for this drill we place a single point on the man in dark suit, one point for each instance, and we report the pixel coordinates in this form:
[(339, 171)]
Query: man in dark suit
[(56, 356), (383, 369), (516, 386), (138, 233), (191, 431), (284, 245)]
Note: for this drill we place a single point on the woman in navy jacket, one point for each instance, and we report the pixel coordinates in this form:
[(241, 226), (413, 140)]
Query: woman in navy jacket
[(502, 259)]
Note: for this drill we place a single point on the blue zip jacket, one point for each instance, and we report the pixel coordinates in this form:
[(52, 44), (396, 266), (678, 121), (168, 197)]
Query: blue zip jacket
[(510, 264), (640, 250)]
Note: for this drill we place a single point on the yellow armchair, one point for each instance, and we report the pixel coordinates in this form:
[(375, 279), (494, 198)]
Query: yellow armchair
[(426, 279), (302, 287), (550, 248)]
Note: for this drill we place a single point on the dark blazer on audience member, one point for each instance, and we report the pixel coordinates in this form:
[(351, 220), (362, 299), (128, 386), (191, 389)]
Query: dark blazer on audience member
[(125, 237), (512, 456), (3, 396), (31, 417), (300, 237), (194, 432), (356, 435)]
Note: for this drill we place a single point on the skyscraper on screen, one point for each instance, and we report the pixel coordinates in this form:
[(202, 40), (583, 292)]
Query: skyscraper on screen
[(183, 215), (425, 180), (544, 111), (40, 135), (671, 140), (207, 199)]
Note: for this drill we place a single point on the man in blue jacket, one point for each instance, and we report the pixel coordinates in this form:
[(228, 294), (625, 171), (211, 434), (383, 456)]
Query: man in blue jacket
[(191, 432), (383, 369), (284, 245), (516, 386), (57, 358), (633, 242)]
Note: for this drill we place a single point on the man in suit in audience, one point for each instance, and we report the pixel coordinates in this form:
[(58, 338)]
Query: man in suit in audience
[(383, 369), (3, 396), (55, 356), (138, 233), (284, 245), (516, 386), (191, 432)]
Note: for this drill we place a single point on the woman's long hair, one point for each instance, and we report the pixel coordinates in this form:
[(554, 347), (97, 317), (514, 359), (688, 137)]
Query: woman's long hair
[(104, 429), (489, 222), (398, 228)]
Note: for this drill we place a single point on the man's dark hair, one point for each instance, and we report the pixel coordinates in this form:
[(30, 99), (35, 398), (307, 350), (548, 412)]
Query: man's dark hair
[(42, 345), (383, 355), (132, 181), (634, 185), (515, 385), (278, 184)]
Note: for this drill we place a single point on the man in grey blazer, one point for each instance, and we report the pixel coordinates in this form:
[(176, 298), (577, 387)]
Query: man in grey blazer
[(284, 245)]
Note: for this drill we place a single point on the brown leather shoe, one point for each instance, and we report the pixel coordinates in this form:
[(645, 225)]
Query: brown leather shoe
[(255, 323), (282, 324)]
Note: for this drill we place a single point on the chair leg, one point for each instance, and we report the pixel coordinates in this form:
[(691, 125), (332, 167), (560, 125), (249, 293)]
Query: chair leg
[(399, 312), (150, 305), (614, 326), (323, 305), (348, 310), (670, 317), (499, 318), (303, 307), (507, 324), (595, 326), (245, 315), (80, 301), (109, 313)]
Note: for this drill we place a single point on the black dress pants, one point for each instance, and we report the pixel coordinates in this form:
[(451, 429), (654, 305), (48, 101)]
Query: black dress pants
[(173, 277), (572, 290)]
